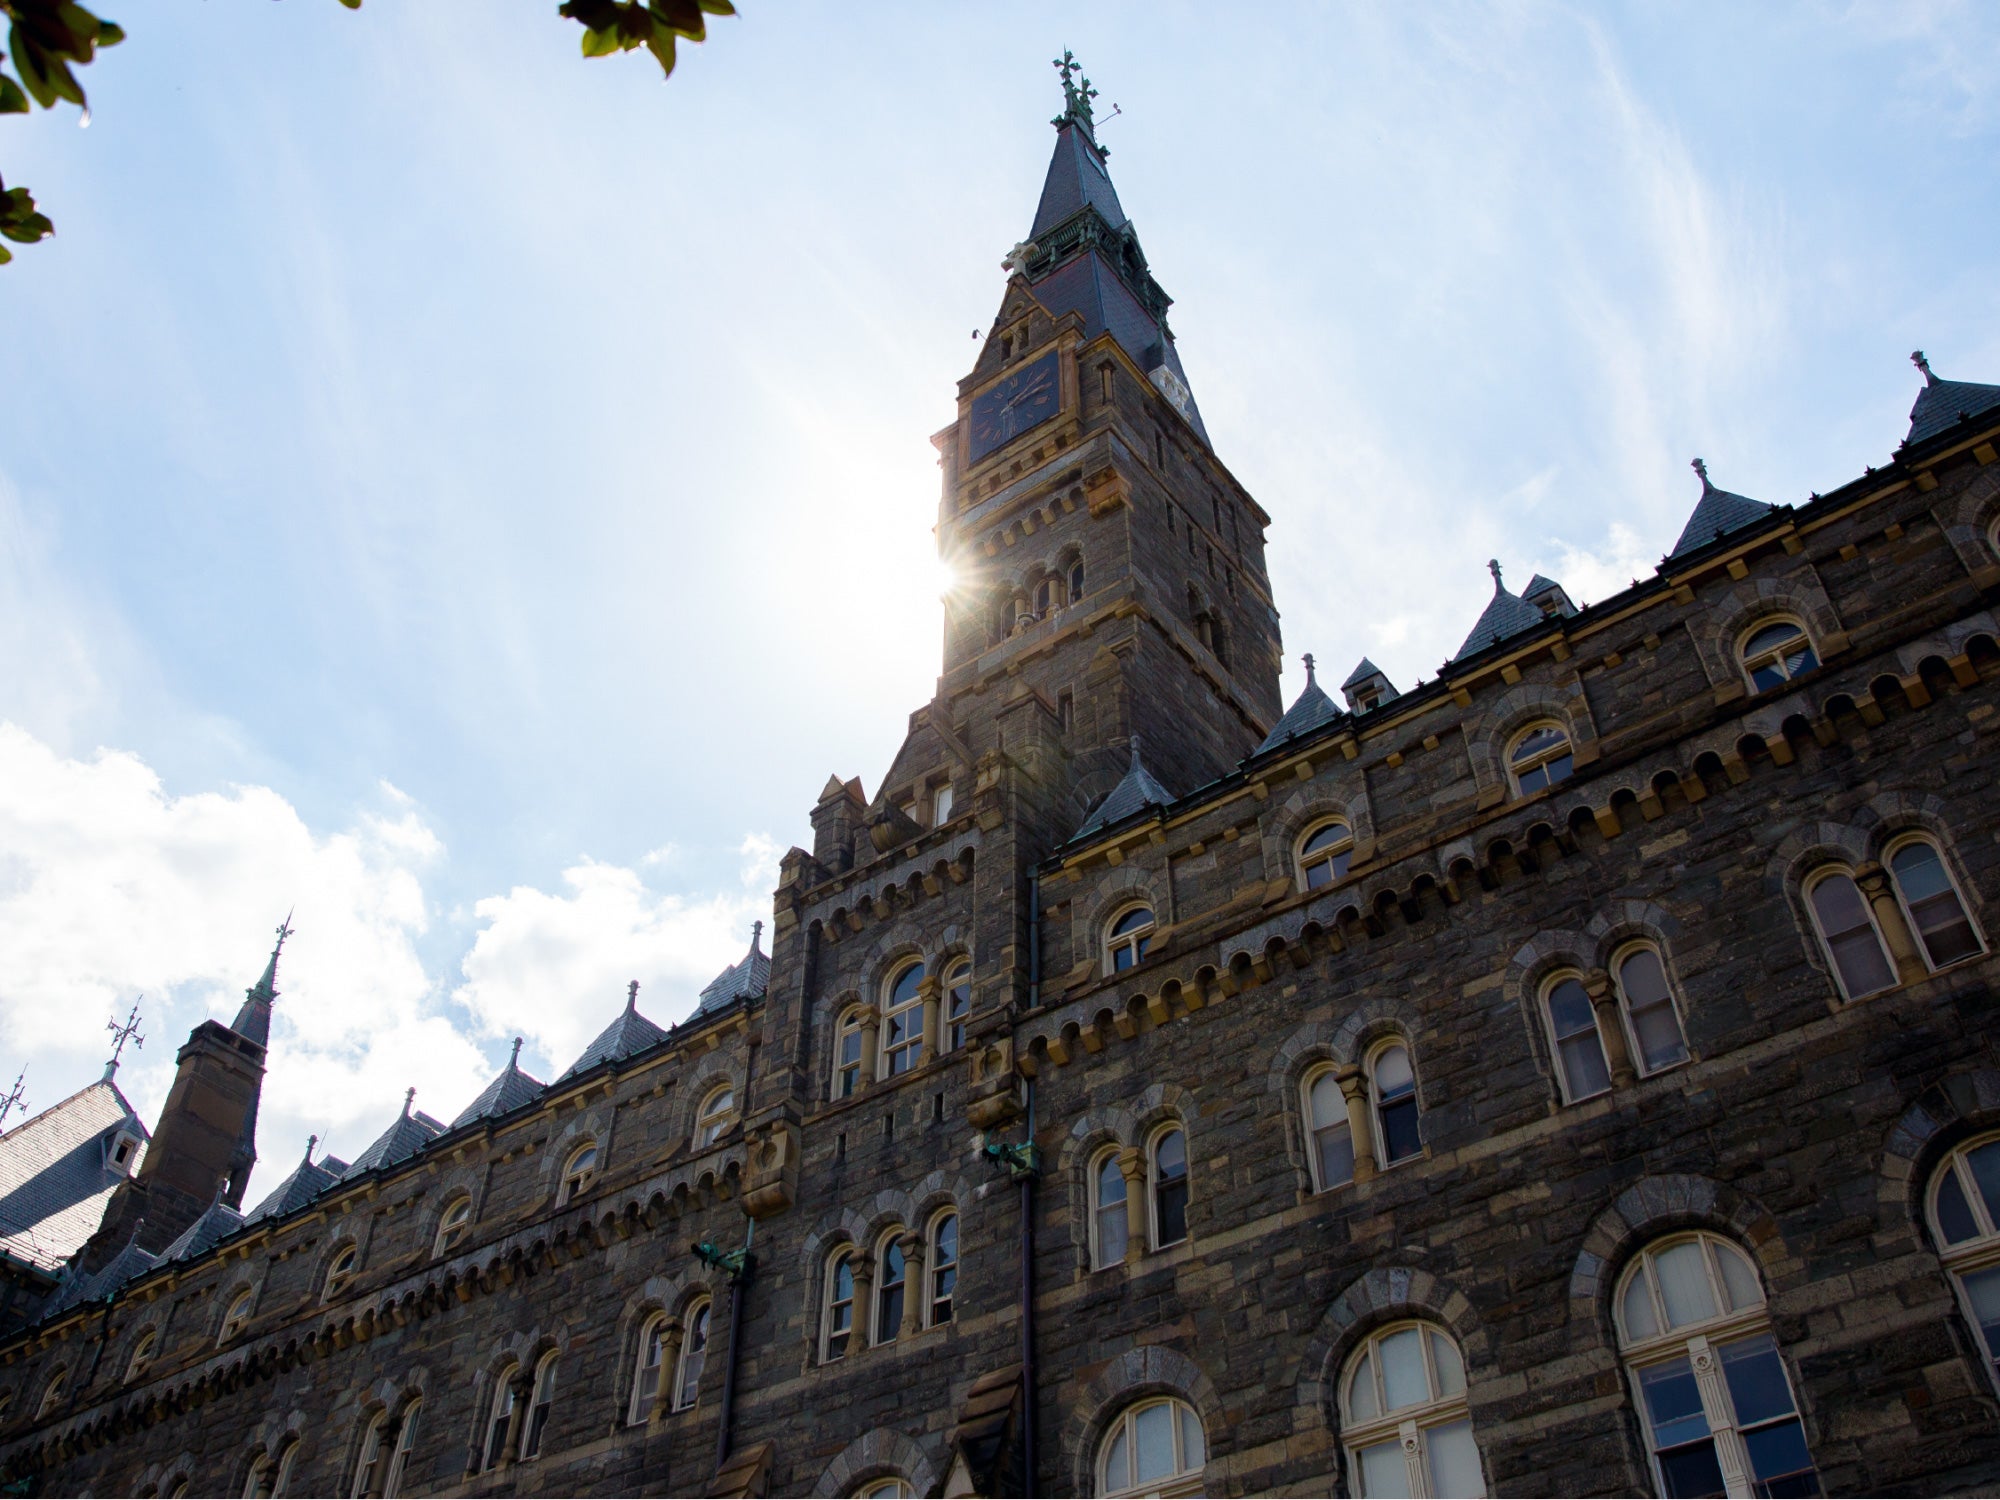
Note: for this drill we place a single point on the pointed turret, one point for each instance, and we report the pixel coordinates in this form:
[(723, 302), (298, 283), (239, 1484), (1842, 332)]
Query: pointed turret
[(1366, 687), (1311, 710), (1716, 514), (1505, 614), (630, 1033), (253, 1021), (503, 1095), (1943, 404), (1133, 795), (745, 980)]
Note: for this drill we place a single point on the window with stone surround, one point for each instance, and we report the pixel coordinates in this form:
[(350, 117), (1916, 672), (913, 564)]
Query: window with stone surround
[(281, 1478), (716, 1115), (454, 1225), (1847, 931), (340, 1272), (237, 1318), (52, 1395), (406, 1442), (1153, 1447), (1539, 757), (1574, 1038), (499, 1416), (646, 1375), (142, 1354), (957, 1004), (837, 1320), (1392, 1090), (902, 1035), (1651, 1015), (540, 1406), (941, 1267), (1933, 903), (370, 1457), (1714, 1397), (1964, 1208), (694, 1353), (578, 1173), (889, 1487), (891, 1286), (1127, 937), (1403, 1415), (1774, 652), (1331, 1140), (1324, 854), (1167, 1185), (847, 1044), (1108, 1231)]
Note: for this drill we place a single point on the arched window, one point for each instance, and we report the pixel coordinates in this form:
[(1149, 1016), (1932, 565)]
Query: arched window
[(1573, 1033), (340, 1271), (1075, 582), (1965, 1218), (542, 1403), (891, 1275), (716, 1115), (579, 1172), (1324, 855), (1167, 1176), (281, 1480), (957, 1003), (1154, 1447), (847, 1055), (1128, 937), (646, 1377), (941, 1266), (454, 1224), (903, 1022), (236, 1318), (1936, 908), (1540, 757), (1775, 653), (370, 1457), (1108, 1224), (1403, 1415), (1045, 598), (839, 1317), (1393, 1084), (1687, 1306), (52, 1395), (1847, 930), (142, 1354), (889, 1487), (694, 1354), (406, 1441), (500, 1416), (1649, 1008), (1326, 1123)]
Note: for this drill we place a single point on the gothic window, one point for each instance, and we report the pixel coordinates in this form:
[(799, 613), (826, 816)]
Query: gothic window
[(234, 1320), (1648, 1000), (694, 1354), (891, 1276), (902, 1045), (1045, 598), (1965, 1218), (1774, 653), (957, 1003), (941, 804), (370, 1458), (1108, 1224), (1540, 757), (1324, 855), (281, 1480), (889, 1487), (716, 1115), (340, 1272), (540, 1405), (839, 1318), (142, 1354), (1326, 1124), (1848, 933), (52, 1395), (499, 1417), (1712, 1389), (1932, 901), (453, 1226), (941, 1266), (1404, 1418), (1573, 1033), (1167, 1180), (1154, 1447), (1127, 938), (646, 1377), (847, 1055), (406, 1442), (579, 1172), (1392, 1083), (1075, 582)]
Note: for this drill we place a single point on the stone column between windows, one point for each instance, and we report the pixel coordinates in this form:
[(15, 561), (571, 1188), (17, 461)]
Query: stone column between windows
[(1874, 883), (517, 1420), (929, 991), (1132, 1164), (871, 1034), (385, 1456), (1729, 1452), (861, 1325), (1610, 1028), (1354, 1089), (670, 1369), (915, 1289)]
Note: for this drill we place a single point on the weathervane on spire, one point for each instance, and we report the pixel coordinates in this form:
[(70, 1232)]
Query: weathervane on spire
[(122, 1034), (12, 1098)]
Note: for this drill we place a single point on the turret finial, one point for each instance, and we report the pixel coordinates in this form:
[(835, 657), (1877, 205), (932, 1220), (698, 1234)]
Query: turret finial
[(1077, 94), (312, 1145), (632, 996), (1493, 567), (756, 933), (409, 1098), (514, 1062), (1702, 469), (1135, 752), (1917, 359), (12, 1098), (1308, 660)]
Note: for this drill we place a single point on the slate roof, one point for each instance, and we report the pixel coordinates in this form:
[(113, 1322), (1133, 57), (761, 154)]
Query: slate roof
[(740, 981), (1941, 402), (1135, 793), (405, 1138), (54, 1185), (1716, 514), (1363, 670), (1506, 614), (504, 1094), (1077, 176), (307, 1181), (630, 1033), (1311, 710), (217, 1223), (121, 1268)]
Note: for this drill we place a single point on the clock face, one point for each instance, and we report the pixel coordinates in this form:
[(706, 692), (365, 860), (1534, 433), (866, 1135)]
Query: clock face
[(1008, 408)]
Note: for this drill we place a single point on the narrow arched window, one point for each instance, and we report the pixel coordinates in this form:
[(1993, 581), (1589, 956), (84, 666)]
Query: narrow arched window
[(839, 1326), (1128, 937), (957, 1003), (1932, 900), (1540, 757), (888, 1487), (281, 1479), (1167, 1173), (1847, 930), (579, 1172), (1650, 1011), (1573, 1033), (1045, 597), (340, 1272), (890, 1278), (716, 1115), (847, 1055), (369, 1459), (52, 1395), (500, 1416), (694, 1354), (454, 1225), (1075, 582), (235, 1320), (1326, 1123), (406, 1442), (1965, 1218), (1108, 1222), (1154, 1447), (646, 1376), (142, 1354), (1393, 1084), (1325, 854), (903, 1022), (1404, 1418), (541, 1405), (941, 1266), (1774, 654)]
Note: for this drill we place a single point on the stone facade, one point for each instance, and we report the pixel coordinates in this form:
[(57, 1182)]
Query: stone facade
[(1803, 1128)]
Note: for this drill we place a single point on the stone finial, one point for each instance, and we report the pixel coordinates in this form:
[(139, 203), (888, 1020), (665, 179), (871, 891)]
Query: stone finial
[(1135, 752), (409, 1098), (1493, 567), (1308, 660), (312, 1145), (514, 1062), (756, 934), (1917, 359), (1702, 469), (632, 996)]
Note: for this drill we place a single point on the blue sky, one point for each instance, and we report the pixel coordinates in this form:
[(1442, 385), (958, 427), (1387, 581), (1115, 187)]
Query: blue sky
[(478, 495)]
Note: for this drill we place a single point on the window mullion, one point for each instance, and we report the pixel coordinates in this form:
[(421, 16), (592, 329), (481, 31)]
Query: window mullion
[(1413, 1459), (1730, 1454), (1974, 1199)]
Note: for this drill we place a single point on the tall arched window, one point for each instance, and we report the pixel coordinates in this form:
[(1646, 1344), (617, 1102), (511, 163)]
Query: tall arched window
[(957, 1003), (1167, 1174), (1326, 1123), (891, 1276), (1774, 653), (903, 1022), (499, 1416), (694, 1354), (716, 1115), (281, 1479), (1965, 1218), (1540, 757), (454, 1225), (1935, 906), (1649, 1008), (1392, 1083), (1075, 582), (340, 1271), (838, 1326), (237, 1318), (1712, 1389), (1324, 855), (888, 1487), (1127, 938), (1154, 1447), (1108, 1223), (369, 1458), (406, 1442), (52, 1395), (579, 1172), (646, 1375), (941, 1266), (847, 1055), (142, 1354), (1403, 1415), (1573, 1033), (541, 1404), (1847, 930)]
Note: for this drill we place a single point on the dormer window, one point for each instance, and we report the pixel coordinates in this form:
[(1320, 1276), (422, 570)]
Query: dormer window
[(121, 1151), (1365, 701)]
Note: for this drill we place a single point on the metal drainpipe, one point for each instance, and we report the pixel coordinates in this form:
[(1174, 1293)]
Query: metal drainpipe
[(1028, 1209), (737, 1284)]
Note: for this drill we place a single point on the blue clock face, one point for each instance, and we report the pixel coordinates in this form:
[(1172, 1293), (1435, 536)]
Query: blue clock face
[(1008, 408)]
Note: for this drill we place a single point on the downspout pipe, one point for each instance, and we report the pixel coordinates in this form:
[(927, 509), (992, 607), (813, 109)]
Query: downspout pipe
[(1028, 1470), (739, 1283)]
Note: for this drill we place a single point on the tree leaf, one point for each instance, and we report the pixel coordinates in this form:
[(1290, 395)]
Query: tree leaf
[(682, 17), (110, 33), (662, 47), (599, 43), (27, 59), (12, 100)]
